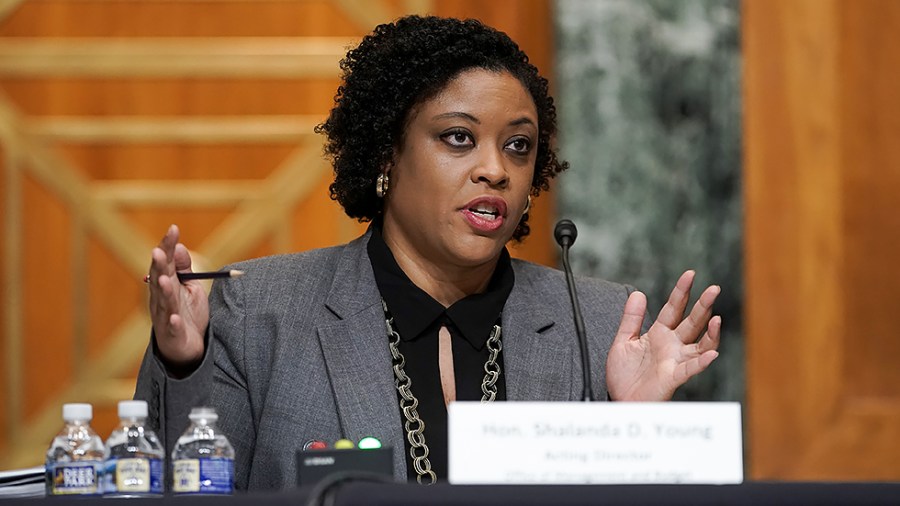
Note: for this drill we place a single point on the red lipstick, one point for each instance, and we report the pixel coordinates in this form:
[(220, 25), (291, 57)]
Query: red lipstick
[(485, 214)]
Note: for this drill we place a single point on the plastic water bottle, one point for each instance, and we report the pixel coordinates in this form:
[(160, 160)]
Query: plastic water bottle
[(74, 464), (134, 456), (203, 459)]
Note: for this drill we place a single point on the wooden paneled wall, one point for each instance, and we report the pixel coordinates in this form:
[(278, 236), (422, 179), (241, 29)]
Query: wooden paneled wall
[(822, 176), (120, 117)]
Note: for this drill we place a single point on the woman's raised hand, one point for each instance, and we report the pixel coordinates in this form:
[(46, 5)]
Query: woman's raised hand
[(651, 366), (180, 311)]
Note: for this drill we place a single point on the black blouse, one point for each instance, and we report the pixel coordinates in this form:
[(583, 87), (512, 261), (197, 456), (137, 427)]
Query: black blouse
[(418, 318)]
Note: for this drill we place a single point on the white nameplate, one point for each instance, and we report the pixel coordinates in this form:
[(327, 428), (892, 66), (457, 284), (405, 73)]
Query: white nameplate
[(596, 442)]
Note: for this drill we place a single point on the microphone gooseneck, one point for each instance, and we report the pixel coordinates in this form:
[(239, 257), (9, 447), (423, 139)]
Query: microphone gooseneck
[(565, 234)]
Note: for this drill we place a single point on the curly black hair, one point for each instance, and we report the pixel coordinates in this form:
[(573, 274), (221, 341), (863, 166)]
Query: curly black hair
[(401, 65)]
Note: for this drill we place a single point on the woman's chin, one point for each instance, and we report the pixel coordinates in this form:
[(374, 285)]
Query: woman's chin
[(475, 250)]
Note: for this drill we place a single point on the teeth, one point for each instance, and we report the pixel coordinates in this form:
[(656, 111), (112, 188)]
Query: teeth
[(486, 212)]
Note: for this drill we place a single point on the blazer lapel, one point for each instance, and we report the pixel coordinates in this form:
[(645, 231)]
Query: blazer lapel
[(536, 353), (357, 358)]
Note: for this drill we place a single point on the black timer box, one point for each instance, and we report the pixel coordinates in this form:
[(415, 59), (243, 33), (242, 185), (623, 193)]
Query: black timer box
[(313, 465)]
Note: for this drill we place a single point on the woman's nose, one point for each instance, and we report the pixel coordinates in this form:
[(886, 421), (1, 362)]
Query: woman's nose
[(491, 170)]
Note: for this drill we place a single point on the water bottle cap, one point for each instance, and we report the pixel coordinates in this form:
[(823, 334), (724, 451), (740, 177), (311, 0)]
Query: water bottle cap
[(203, 413), (132, 409), (73, 412)]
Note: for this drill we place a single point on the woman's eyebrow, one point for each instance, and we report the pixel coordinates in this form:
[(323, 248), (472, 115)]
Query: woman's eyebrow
[(463, 115), (524, 120)]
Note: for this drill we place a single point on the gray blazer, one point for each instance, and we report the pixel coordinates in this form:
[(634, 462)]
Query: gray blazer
[(297, 350)]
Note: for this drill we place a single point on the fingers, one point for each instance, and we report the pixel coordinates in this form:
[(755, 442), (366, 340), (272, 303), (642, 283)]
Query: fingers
[(697, 320), (704, 352), (163, 299), (168, 242), (690, 368), (632, 317), (158, 264), (182, 258), (162, 256), (710, 340), (672, 313), (170, 256), (166, 259)]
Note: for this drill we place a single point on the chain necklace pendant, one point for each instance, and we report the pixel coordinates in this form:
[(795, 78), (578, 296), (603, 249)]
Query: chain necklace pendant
[(414, 425)]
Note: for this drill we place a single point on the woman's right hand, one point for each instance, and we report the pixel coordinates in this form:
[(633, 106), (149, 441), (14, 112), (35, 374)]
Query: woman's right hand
[(180, 311)]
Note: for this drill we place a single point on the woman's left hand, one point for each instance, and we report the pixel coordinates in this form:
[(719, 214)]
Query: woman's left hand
[(650, 367)]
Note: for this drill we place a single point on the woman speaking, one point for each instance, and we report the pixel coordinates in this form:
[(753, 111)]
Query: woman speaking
[(440, 135)]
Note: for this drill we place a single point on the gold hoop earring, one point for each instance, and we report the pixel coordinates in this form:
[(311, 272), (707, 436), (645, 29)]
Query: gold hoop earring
[(381, 185), (527, 205)]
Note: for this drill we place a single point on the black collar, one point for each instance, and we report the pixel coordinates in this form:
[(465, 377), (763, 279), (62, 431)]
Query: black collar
[(415, 311)]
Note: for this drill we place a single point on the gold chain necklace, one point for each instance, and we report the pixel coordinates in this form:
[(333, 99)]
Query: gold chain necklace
[(414, 425)]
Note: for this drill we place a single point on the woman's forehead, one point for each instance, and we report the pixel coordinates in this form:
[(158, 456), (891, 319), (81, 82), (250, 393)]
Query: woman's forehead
[(478, 87)]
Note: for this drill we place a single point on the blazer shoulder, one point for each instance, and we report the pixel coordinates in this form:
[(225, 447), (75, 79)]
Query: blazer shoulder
[(552, 282), (271, 280), (276, 265)]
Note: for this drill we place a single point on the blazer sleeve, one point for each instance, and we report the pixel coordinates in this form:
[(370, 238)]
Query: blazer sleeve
[(169, 399)]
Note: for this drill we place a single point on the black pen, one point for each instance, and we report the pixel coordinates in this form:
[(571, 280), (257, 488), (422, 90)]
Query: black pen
[(188, 276)]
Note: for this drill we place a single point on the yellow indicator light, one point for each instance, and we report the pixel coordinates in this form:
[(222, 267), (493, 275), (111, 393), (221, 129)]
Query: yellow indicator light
[(344, 444)]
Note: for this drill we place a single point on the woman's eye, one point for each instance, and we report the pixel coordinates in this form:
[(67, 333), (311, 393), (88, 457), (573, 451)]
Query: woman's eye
[(519, 145), (458, 139)]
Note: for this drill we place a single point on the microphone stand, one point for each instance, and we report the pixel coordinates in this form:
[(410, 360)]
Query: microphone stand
[(565, 234)]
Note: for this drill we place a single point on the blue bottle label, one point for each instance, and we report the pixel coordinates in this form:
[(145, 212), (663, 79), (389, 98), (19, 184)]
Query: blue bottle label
[(75, 478), (203, 476), (133, 476)]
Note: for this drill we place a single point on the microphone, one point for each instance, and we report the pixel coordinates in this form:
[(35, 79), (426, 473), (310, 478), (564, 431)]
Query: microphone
[(565, 234)]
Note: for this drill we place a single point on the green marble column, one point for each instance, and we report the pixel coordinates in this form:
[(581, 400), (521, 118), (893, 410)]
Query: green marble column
[(649, 106)]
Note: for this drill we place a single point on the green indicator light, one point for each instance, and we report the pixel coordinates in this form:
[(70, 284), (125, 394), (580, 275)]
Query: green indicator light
[(343, 444), (369, 443)]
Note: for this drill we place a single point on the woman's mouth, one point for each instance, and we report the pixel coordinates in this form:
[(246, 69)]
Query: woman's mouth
[(485, 214)]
